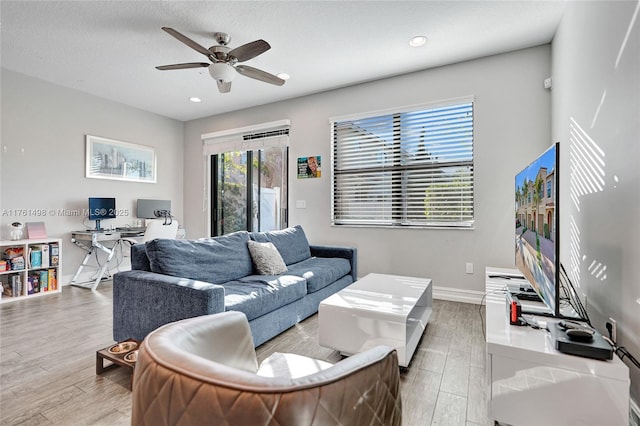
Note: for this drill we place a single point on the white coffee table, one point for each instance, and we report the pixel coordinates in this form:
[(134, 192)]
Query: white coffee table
[(376, 310)]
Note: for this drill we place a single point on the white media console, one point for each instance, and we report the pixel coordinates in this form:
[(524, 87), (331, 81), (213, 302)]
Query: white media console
[(531, 383)]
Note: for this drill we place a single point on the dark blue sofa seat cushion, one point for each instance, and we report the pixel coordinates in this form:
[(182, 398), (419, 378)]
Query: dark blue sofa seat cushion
[(257, 295), (292, 243), (216, 260), (320, 271)]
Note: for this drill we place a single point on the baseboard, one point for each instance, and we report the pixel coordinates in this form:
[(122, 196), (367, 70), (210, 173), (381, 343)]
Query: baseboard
[(634, 413), (457, 295)]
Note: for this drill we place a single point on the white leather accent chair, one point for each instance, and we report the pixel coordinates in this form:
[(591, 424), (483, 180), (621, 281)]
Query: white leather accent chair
[(204, 370)]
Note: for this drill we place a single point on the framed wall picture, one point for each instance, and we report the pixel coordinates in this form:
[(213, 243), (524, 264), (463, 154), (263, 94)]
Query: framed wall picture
[(309, 167), (112, 159)]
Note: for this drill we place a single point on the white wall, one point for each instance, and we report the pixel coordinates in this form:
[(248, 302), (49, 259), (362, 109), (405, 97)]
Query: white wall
[(512, 126), (42, 159), (596, 86)]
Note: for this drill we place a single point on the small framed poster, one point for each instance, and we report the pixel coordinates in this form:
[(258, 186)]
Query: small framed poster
[(309, 167)]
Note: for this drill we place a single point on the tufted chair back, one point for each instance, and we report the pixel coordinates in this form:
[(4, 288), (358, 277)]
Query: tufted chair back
[(204, 371)]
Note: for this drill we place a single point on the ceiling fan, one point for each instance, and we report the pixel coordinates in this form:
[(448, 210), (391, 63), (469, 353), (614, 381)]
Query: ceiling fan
[(224, 60)]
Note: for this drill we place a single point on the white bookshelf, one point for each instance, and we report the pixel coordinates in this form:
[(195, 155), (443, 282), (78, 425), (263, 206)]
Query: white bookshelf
[(49, 266)]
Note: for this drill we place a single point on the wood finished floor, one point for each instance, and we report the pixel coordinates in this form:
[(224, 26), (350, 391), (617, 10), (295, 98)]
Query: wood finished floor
[(48, 346)]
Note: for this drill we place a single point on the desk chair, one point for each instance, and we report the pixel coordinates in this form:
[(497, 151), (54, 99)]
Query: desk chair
[(156, 228)]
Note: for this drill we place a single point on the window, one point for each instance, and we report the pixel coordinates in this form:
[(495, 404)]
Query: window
[(249, 190), (410, 168), (247, 184)]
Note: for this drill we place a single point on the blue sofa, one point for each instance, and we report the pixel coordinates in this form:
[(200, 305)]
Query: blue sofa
[(172, 280)]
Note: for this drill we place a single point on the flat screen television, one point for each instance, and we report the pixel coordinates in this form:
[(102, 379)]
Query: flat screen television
[(537, 220), (101, 208)]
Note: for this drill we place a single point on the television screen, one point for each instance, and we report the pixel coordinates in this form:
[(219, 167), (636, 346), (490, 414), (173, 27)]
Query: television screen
[(537, 248), (102, 208), (151, 209)]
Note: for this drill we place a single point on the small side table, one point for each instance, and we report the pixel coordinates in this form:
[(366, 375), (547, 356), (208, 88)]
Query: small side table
[(116, 359)]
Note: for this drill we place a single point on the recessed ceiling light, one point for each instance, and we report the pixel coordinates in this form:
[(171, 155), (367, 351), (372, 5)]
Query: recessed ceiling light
[(194, 99), (417, 41), (284, 76)]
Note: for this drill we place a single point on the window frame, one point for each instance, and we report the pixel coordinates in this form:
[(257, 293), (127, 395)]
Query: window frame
[(400, 199)]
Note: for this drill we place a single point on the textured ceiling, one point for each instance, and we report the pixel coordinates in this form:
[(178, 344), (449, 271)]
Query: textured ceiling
[(110, 48)]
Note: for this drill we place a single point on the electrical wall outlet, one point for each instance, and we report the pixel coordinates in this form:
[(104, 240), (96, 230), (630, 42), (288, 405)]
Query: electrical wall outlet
[(469, 268), (614, 331)]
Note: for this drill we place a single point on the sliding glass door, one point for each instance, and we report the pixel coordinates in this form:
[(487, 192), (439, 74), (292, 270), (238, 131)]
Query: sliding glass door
[(249, 190)]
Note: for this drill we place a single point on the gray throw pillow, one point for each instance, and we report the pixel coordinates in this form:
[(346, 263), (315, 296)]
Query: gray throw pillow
[(291, 243), (266, 258)]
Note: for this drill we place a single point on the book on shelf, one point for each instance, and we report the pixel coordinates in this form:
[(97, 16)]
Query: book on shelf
[(33, 283), (16, 285), (35, 258), (36, 230), (14, 256), (52, 279), (54, 252), (44, 254), (17, 263), (44, 280)]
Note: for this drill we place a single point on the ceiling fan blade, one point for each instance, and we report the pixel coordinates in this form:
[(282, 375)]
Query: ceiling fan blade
[(252, 72), (249, 50), (186, 40), (224, 86), (183, 66)]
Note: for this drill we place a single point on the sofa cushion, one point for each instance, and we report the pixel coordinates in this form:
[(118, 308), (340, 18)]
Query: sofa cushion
[(216, 260), (292, 243), (266, 258), (320, 271), (257, 295)]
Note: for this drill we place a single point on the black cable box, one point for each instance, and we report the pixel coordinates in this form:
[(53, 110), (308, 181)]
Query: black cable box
[(598, 348)]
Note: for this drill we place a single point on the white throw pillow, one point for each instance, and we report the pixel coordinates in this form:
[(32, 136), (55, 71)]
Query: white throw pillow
[(266, 258)]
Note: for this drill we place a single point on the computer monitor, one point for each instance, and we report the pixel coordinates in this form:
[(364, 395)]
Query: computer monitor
[(101, 208), (152, 209)]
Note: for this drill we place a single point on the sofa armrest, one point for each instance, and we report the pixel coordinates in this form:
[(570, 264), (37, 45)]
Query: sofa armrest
[(144, 301), (349, 253)]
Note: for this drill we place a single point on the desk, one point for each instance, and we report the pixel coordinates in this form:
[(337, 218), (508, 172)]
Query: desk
[(531, 383), (93, 240)]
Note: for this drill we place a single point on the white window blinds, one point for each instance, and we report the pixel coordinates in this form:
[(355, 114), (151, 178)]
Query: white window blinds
[(412, 168)]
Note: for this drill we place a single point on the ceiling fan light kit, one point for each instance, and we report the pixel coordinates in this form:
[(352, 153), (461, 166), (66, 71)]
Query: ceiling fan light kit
[(224, 61), (222, 71)]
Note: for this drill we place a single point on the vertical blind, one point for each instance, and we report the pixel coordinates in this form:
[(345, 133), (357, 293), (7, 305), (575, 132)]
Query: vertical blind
[(412, 168)]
